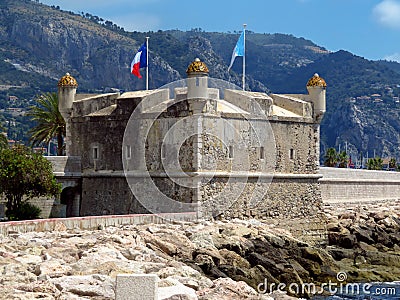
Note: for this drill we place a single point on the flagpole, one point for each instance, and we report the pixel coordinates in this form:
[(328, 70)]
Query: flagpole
[(147, 67), (244, 56)]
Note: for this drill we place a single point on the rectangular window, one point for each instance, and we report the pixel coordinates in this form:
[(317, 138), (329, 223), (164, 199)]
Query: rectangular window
[(95, 152), (230, 154), (128, 152), (163, 149), (291, 154), (262, 154)]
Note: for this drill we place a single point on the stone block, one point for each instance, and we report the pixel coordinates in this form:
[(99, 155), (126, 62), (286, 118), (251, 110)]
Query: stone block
[(136, 287)]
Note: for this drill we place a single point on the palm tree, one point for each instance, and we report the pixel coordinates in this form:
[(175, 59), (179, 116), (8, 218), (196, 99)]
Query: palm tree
[(331, 158), (392, 163), (50, 122), (375, 163), (378, 163), (343, 159)]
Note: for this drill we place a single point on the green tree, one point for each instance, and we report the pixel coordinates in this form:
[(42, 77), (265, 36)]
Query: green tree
[(375, 163), (392, 163), (23, 175), (3, 138), (343, 159), (331, 158), (50, 122), (371, 164)]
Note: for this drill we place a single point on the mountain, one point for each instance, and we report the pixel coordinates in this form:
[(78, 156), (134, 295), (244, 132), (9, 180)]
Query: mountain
[(39, 44)]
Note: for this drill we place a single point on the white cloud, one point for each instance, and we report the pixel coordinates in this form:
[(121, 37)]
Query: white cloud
[(393, 57), (387, 13)]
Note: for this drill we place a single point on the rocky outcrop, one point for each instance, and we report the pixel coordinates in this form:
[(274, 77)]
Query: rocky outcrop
[(236, 259), (95, 55), (364, 240)]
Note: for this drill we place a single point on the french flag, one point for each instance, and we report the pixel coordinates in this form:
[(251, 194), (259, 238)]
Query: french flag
[(140, 61)]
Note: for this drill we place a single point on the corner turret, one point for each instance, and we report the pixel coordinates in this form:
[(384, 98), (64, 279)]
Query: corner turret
[(197, 80), (67, 86), (316, 87), (66, 94)]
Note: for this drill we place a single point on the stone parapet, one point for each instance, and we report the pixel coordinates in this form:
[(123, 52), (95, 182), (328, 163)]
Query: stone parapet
[(65, 165), (90, 223), (351, 185)]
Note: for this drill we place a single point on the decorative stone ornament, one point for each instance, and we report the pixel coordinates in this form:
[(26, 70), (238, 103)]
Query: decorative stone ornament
[(316, 81), (197, 67), (67, 81)]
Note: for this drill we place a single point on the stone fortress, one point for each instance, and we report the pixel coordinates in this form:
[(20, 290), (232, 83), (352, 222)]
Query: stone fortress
[(196, 146)]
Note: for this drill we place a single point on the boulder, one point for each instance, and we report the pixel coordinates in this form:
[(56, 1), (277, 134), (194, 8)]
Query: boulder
[(385, 259), (240, 245), (363, 235), (267, 262), (379, 215), (53, 268), (389, 222), (88, 286), (312, 254), (212, 252), (347, 215), (205, 262), (234, 259), (340, 253), (228, 289), (342, 239), (165, 246), (29, 259), (334, 226), (176, 292), (380, 236), (184, 245), (239, 230), (185, 274)]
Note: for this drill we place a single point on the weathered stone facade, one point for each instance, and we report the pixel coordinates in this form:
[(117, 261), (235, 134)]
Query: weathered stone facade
[(197, 147)]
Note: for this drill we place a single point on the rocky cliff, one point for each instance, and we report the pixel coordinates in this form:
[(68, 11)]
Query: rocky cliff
[(51, 42)]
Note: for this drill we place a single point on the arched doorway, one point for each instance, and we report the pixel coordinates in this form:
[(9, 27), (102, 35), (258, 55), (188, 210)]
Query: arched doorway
[(67, 198)]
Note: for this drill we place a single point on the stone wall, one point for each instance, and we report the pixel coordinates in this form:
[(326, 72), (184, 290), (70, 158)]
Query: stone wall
[(108, 195), (241, 146), (50, 207), (296, 146), (286, 197), (350, 185)]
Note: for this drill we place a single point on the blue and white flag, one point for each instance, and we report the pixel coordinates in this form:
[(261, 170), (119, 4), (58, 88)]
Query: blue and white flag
[(239, 49)]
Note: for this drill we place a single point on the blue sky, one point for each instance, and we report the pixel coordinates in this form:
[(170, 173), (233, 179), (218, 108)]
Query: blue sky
[(368, 28)]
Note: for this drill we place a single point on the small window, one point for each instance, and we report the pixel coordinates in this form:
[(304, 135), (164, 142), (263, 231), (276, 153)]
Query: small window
[(128, 152), (291, 153), (197, 81), (230, 149), (163, 149), (95, 152), (262, 153)]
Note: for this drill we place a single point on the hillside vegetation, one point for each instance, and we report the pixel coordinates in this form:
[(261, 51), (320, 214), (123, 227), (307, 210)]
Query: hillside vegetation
[(39, 44)]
